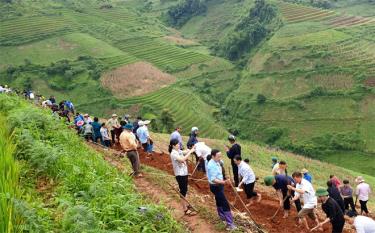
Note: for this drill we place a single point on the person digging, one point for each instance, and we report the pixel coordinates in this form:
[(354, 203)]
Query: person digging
[(280, 184), (333, 211), (305, 189), (248, 180)]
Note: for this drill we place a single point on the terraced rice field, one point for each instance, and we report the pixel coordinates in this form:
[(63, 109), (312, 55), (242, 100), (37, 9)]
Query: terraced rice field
[(118, 15), (294, 13), (28, 29), (161, 54), (188, 110), (347, 21), (112, 62)]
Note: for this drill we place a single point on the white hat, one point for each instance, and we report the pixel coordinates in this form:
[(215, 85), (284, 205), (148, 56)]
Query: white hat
[(194, 129), (304, 171), (114, 115), (86, 115), (146, 122), (359, 179)]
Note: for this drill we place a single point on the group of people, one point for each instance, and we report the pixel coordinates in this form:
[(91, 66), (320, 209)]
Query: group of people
[(335, 199)]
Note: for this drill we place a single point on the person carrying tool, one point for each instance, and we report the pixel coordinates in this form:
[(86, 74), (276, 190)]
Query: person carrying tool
[(280, 184), (129, 144), (180, 169), (232, 151), (217, 182), (248, 179), (362, 224), (305, 189), (333, 211)]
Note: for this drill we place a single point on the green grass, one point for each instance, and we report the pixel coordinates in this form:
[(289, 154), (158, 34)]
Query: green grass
[(160, 53), (69, 46), (82, 191), (9, 181)]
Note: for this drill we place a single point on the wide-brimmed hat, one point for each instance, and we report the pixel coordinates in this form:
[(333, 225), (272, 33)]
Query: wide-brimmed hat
[(86, 115), (114, 115), (268, 180), (146, 122), (320, 192), (304, 171), (231, 138), (359, 179), (128, 126)]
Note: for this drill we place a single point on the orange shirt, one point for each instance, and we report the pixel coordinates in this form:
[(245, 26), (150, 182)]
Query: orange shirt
[(128, 141)]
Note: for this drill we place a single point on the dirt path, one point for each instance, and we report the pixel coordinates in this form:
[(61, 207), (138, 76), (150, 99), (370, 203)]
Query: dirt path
[(158, 195)]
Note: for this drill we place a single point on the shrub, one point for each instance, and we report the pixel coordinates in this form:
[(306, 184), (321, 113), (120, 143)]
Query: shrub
[(261, 99), (273, 134)]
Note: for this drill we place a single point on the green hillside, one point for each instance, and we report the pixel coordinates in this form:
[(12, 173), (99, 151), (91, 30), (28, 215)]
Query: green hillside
[(301, 75)]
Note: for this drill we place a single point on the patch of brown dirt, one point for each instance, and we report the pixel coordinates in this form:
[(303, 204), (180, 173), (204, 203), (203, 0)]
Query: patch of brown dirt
[(179, 40), (136, 79), (370, 82)]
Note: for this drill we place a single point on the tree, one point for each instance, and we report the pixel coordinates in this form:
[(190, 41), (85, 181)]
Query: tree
[(167, 120)]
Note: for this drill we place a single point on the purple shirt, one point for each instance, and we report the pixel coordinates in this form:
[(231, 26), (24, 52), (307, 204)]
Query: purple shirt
[(363, 191), (346, 191)]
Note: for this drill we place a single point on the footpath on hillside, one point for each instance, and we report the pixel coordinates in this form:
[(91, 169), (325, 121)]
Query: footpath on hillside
[(151, 186)]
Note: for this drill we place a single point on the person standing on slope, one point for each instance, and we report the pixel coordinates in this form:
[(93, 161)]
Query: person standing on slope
[(361, 224), (217, 182), (96, 126), (305, 189), (180, 169), (306, 175), (248, 179), (176, 135), (362, 192), (333, 211), (335, 194), (129, 144), (232, 151), (144, 136), (280, 168), (346, 192), (335, 181), (105, 135), (112, 125)]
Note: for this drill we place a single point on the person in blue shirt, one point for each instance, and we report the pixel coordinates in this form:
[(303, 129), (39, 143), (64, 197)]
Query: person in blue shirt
[(280, 184), (216, 181), (306, 175), (177, 136)]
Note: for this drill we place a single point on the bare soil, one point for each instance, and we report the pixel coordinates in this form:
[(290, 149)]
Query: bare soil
[(136, 79), (370, 82), (179, 40)]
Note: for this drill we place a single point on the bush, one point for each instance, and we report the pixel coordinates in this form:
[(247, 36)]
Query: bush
[(272, 134), (261, 99), (186, 9)]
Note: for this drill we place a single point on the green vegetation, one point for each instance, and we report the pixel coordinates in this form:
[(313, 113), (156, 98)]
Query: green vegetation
[(186, 9), (76, 189), (9, 182), (250, 31)]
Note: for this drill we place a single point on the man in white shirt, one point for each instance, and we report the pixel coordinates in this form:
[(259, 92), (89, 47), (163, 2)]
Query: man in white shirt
[(362, 192), (202, 151), (305, 189), (248, 179), (361, 224)]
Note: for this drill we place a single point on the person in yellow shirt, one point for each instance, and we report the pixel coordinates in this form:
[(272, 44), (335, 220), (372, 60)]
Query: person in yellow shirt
[(129, 144)]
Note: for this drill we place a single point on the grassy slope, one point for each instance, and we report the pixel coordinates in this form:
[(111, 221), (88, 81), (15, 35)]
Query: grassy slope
[(260, 160), (113, 37), (67, 186)]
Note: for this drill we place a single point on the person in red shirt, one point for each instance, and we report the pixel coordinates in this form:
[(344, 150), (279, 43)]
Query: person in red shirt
[(335, 181)]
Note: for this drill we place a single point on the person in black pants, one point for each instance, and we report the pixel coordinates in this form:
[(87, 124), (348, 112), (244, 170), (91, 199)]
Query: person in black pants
[(332, 210), (232, 151), (335, 194)]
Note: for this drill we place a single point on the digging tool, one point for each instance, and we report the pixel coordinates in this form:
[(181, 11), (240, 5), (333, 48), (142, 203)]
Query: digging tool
[(277, 211), (247, 209), (356, 199), (181, 196), (194, 169)]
